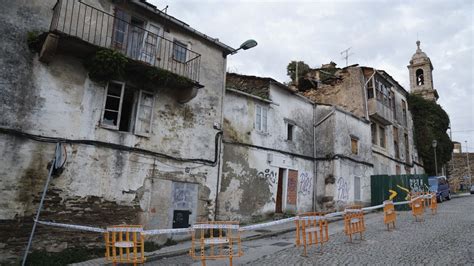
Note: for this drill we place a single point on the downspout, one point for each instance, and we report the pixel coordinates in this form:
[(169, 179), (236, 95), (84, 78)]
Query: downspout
[(216, 204)]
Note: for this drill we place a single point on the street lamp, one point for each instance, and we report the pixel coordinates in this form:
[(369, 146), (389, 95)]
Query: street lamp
[(434, 144), (245, 46)]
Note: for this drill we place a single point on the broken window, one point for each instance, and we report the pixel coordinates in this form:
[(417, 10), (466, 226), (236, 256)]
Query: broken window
[(261, 118), (382, 136), (179, 51), (420, 79), (354, 145), (290, 128), (126, 109)]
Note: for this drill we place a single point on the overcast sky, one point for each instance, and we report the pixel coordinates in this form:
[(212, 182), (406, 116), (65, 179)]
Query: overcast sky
[(381, 34)]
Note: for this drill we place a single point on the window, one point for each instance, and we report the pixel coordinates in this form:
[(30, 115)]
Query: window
[(407, 149), (373, 129), (420, 79), (261, 118), (370, 90), (398, 170), (394, 106), (395, 143), (404, 112), (179, 51), (126, 109), (121, 21), (382, 136), (290, 129), (356, 188), (355, 145), (151, 44)]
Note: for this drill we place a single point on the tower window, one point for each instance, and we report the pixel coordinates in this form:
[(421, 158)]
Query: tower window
[(420, 80)]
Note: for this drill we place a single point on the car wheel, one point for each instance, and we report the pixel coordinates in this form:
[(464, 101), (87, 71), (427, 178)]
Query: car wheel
[(449, 196)]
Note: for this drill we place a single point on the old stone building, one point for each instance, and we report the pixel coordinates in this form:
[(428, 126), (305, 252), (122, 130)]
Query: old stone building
[(374, 96), (268, 150), (141, 144), (461, 168)]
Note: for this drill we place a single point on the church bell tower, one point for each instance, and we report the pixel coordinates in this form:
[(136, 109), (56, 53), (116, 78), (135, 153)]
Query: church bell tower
[(421, 75)]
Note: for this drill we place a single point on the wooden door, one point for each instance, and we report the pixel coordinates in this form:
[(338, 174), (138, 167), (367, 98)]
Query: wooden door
[(278, 207)]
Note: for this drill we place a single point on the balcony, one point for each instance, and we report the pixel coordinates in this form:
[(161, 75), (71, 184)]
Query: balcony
[(380, 112), (82, 29)]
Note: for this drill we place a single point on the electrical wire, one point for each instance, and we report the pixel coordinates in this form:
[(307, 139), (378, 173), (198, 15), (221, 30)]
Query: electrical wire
[(46, 139)]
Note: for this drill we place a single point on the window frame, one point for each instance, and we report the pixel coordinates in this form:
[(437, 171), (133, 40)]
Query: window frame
[(259, 118), (356, 140), (137, 113), (183, 45), (290, 128), (102, 124), (382, 137)]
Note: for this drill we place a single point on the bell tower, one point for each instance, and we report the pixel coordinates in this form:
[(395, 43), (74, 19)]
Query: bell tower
[(421, 75)]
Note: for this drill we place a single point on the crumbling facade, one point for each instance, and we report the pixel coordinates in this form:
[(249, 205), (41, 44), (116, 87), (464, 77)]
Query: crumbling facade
[(137, 153), (268, 150), (372, 95)]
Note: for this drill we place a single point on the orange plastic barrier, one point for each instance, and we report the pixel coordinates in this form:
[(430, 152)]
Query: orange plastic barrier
[(313, 228), (417, 207), (221, 238), (354, 221), (434, 203), (389, 214), (125, 244)]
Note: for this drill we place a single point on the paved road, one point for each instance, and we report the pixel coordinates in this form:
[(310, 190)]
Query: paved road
[(445, 238)]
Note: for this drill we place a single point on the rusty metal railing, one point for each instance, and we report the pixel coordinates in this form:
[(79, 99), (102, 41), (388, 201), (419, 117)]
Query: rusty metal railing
[(123, 33)]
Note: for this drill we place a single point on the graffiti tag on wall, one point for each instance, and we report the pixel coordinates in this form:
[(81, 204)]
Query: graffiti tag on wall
[(269, 175), (342, 189), (416, 185), (305, 184)]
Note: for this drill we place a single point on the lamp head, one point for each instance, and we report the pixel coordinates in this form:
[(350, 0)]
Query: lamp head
[(248, 44), (434, 143)]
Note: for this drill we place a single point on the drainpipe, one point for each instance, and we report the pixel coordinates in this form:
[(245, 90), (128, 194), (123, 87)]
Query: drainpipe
[(216, 206)]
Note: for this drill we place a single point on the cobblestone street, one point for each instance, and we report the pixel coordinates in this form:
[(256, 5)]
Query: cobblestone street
[(445, 238)]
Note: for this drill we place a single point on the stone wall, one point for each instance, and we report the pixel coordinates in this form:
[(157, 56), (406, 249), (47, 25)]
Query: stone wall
[(458, 169)]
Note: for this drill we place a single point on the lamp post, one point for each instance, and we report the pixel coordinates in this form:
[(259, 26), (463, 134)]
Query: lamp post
[(468, 166), (434, 144)]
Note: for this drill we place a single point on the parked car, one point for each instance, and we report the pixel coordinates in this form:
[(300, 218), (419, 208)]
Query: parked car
[(440, 185), (472, 189)]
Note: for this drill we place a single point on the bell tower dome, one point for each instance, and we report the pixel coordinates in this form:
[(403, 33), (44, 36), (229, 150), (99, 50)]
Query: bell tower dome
[(421, 75)]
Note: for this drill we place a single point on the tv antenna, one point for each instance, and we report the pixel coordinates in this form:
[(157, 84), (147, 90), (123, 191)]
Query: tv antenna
[(347, 54), (165, 10)]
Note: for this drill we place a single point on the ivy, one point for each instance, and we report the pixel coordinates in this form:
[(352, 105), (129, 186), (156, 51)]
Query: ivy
[(107, 64), (430, 123)]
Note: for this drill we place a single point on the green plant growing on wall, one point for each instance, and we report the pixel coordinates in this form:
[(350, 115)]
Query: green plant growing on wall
[(106, 64), (161, 77), (33, 40), (430, 123)]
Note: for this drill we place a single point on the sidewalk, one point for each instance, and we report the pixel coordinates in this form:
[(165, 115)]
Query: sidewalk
[(183, 248)]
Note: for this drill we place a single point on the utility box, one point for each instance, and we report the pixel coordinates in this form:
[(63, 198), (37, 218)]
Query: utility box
[(181, 218), (381, 184)]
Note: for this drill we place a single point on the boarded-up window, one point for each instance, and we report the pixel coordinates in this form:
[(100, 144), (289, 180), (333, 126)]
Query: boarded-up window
[(261, 114), (292, 187), (397, 170), (354, 145)]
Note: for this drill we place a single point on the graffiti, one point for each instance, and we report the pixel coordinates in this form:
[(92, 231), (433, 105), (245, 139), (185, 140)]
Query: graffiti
[(268, 174), (342, 189), (305, 184), (416, 185)]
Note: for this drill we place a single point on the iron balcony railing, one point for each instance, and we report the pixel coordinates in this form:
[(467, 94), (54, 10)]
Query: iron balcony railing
[(125, 34)]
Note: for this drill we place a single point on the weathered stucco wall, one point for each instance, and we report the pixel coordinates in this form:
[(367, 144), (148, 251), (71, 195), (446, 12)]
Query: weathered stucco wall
[(250, 175), (99, 185)]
